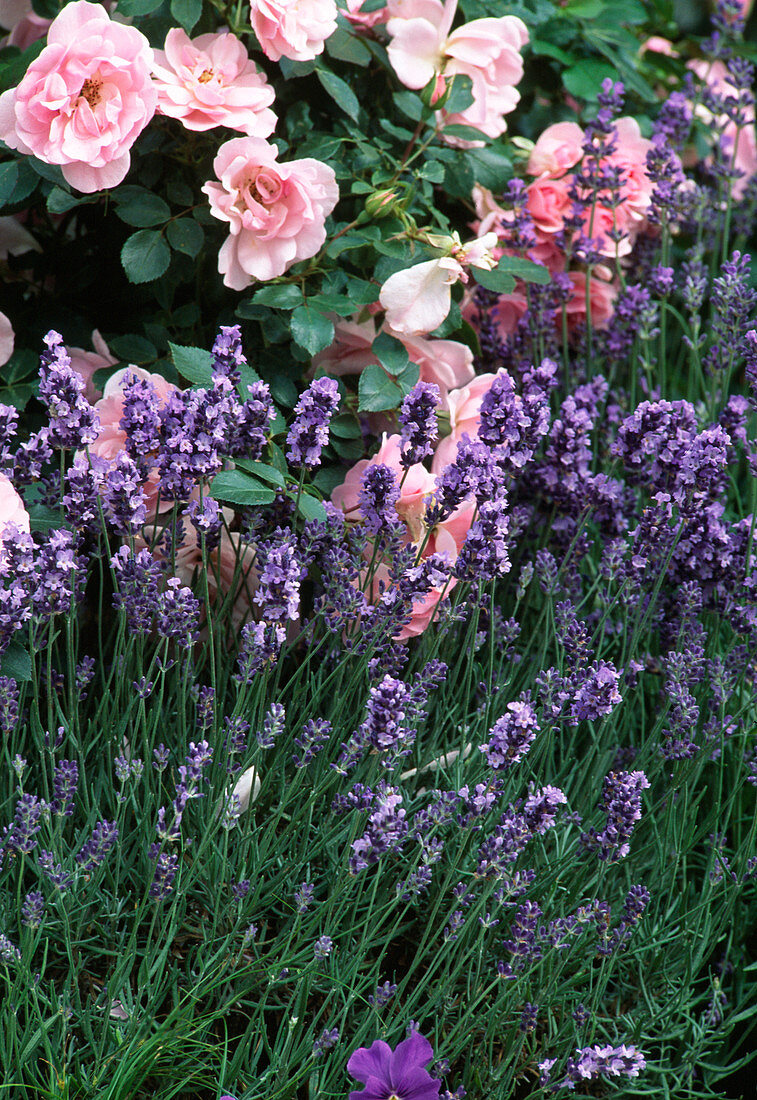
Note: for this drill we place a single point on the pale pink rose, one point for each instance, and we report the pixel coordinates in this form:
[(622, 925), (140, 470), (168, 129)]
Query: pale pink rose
[(739, 144), (487, 51), (464, 416), (296, 29), (491, 216), (422, 612), (418, 483), (364, 19), (631, 157), (85, 363), (12, 509), (231, 569), (210, 81), (657, 44), (549, 202), (276, 212), (508, 310), (447, 363), (13, 11), (602, 297), (247, 788), (418, 31), (14, 238), (419, 298), (28, 30), (7, 339), (84, 101), (111, 439), (558, 149)]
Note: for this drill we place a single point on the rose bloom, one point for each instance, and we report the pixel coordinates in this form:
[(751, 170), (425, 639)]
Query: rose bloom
[(486, 50), (464, 416), (276, 212), (7, 339), (112, 439), (210, 81), (296, 29), (602, 297), (558, 149), (359, 18), (85, 363), (83, 102), (446, 363), (739, 144), (231, 569), (12, 508)]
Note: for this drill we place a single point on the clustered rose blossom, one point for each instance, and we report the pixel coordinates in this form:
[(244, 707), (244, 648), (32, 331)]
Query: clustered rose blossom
[(210, 81), (83, 102), (487, 51), (276, 212), (86, 363), (295, 29)]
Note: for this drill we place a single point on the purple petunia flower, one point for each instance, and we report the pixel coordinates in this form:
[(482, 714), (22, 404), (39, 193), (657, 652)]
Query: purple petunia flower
[(399, 1074)]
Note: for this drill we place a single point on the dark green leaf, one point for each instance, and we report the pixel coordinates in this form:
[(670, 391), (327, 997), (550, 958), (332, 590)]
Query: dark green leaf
[(327, 478), (16, 663), (584, 79), (138, 7), (186, 13), (145, 256), (237, 487), (409, 105), (584, 9), (42, 518), (196, 364), (311, 330), (377, 391), (8, 180), (133, 349), (185, 235), (284, 296), (469, 133), (348, 47), (284, 391), (50, 172), (460, 94), (60, 201), (262, 471), (340, 92), (491, 167), (14, 68), (142, 209), (548, 49), (310, 507), (390, 352), (346, 426), (179, 192), (524, 269), (408, 377)]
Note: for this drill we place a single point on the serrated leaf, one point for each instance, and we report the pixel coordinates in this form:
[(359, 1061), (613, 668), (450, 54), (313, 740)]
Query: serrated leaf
[(185, 235), (283, 296), (42, 518), (409, 105), (16, 663), (377, 392), (348, 47), (240, 488), (311, 330), (133, 349), (500, 282), (8, 180), (186, 13), (460, 94), (524, 269), (50, 172), (145, 256), (340, 92), (283, 391), (311, 508), (584, 79), (60, 201), (390, 352), (138, 7), (196, 364), (262, 471), (143, 209)]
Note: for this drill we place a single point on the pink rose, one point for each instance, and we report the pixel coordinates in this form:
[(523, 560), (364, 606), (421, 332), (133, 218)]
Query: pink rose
[(419, 298), (508, 310), (422, 612), (559, 148), (7, 339), (447, 363), (359, 18), (112, 439), (738, 143), (231, 569), (14, 238), (210, 81), (85, 363), (464, 416), (28, 30), (418, 483), (83, 102), (296, 29), (602, 297), (276, 212), (548, 203), (12, 509)]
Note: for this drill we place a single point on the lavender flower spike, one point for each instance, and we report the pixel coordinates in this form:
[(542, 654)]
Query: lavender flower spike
[(309, 432), (394, 1075), (418, 423)]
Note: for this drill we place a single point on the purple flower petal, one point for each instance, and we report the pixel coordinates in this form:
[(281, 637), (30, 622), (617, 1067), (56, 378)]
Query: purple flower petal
[(374, 1061)]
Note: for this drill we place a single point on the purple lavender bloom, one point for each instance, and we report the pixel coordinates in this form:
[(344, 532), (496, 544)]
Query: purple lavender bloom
[(278, 591), (325, 1041), (383, 995), (227, 353), (385, 712), (621, 798), (249, 436), (8, 705), (595, 693), (31, 457), (60, 879), (386, 830), (273, 725), (138, 577), (8, 951), (166, 866), (259, 649), (607, 1061), (178, 613), (309, 432), (21, 836), (140, 420), (483, 556), (8, 429), (65, 780), (512, 735), (315, 734), (206, 518), (73, 421), (92, 854), (379, 493), (418, 426), (323, 947), (124, 497), (394, 1075), (33, 909), (303, 897)]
